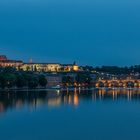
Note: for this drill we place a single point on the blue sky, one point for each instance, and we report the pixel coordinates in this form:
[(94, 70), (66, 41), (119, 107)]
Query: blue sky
[(93, 32)]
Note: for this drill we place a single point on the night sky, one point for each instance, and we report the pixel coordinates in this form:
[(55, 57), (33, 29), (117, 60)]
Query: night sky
[(93, 32)]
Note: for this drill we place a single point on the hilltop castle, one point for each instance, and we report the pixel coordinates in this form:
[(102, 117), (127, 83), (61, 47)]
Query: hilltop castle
[(31, 66), (4, 62)]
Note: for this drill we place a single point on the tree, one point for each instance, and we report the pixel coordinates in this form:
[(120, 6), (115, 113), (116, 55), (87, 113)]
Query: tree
[(7, 80), (67, 80), (9, 70), (20, 81), (42, 80), (2, 81), (83, 78), (33, 81)]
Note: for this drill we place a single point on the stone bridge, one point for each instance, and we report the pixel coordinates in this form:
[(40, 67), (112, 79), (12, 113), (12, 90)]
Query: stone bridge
[(117, 83)]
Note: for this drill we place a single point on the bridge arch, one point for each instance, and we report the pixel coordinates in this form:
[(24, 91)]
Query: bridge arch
[(113, 84), (130, 84), (100, 84)]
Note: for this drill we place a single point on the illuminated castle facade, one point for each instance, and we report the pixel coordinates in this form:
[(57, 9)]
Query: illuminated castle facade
[(49, 67), (39, 67), (70, 67), (4, 62), (46, 67)]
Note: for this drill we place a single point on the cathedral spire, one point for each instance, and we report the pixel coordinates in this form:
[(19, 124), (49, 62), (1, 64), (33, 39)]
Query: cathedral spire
[(31, 61)]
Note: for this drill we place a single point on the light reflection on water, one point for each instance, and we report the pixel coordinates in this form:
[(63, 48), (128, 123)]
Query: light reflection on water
[(70, 115), (55, 98)]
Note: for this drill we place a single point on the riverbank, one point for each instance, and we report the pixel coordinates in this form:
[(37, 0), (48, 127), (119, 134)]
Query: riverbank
[(67, 89)]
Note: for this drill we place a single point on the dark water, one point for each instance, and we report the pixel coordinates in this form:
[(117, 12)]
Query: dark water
[(70, 115)]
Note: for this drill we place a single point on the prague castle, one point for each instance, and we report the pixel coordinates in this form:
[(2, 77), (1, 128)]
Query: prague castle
[(40, 67), (4, 62), (46, 67)]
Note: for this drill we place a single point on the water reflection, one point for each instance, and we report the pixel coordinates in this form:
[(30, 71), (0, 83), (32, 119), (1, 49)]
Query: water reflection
[(34, 99)]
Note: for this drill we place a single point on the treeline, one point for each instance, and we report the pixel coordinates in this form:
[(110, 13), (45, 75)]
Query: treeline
[(10, 77), (80, 78), (114, 69)]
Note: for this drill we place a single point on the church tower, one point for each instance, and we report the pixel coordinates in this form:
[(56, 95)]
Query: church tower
[(31, 61)]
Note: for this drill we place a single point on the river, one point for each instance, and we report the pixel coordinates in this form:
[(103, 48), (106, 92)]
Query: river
[(101, 114)]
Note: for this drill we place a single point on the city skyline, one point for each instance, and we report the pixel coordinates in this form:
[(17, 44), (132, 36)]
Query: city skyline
[(69, 69), (90, 32), (44, 59)]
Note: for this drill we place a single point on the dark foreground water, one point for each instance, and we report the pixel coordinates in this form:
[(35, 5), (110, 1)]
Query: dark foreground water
[(70, 115)]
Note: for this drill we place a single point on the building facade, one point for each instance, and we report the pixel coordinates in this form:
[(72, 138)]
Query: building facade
[(54, 80), (4, 62), (40, 67), (49, 67), (70, 67)]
